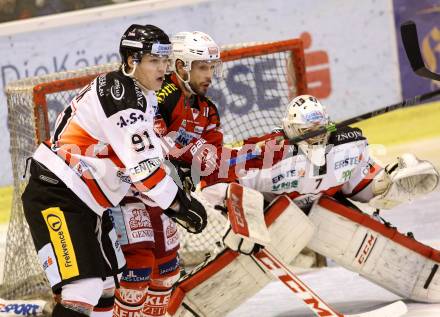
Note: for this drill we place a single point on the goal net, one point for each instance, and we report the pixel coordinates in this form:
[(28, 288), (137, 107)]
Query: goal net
[(258, 81)]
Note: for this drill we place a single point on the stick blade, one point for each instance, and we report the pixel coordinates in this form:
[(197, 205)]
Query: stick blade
[(425, 72), (410, 40), (408, 31), (395, 309)]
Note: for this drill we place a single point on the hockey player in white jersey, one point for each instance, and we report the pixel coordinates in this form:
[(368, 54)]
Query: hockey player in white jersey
[(103, 143), (317, 175)]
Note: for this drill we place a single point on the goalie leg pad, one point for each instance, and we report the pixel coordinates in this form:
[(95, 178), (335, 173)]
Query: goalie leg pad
[(379, 253), (237, 277)]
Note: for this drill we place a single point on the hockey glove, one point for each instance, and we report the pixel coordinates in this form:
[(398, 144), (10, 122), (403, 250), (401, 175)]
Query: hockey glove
[(403, 181), (188, 212)]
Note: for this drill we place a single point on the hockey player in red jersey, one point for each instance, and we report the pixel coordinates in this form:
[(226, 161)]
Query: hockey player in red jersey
[(185, 111), (104, 142), (314, 178)]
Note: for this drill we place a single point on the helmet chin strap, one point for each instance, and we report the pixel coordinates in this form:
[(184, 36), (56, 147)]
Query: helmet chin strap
[(131, 75), (186, 82)]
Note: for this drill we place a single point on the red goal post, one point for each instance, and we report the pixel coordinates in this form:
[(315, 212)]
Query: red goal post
[(258, 81)]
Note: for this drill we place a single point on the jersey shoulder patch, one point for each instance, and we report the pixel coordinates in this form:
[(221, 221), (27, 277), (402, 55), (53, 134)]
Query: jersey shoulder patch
[(346, 135), (117, 92)]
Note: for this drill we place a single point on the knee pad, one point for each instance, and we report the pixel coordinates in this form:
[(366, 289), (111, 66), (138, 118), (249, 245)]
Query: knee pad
[(109, 286), (87, 290), (104, 308)]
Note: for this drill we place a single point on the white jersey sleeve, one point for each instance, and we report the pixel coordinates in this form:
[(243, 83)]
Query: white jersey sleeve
[(359, 185), (127, 125)]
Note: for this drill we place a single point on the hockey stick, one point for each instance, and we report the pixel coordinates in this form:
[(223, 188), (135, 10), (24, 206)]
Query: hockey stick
[(305, 293), (400, 105), (408, 31)]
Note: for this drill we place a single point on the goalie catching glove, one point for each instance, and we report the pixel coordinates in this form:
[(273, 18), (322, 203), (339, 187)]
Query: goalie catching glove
[(407, 179), (187, 211)]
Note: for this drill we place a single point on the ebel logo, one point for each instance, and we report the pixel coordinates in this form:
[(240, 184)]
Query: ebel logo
[(117, 91), (54, 222)]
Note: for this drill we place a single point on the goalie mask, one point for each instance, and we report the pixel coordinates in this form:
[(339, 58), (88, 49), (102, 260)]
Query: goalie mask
[(139, 40), (194, 46), (305, 113)]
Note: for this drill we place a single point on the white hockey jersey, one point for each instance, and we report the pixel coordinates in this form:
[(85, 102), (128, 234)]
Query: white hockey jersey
[(343, 166), (104, 141)]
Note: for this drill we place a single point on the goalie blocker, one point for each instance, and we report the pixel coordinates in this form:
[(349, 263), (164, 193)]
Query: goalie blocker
[(236, 276), (377, 252)]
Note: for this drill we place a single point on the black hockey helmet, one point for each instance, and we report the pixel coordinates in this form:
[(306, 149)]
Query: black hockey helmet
[(143, 39)]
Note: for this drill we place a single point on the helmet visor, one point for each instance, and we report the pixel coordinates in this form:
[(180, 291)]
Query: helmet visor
[(215, 66)]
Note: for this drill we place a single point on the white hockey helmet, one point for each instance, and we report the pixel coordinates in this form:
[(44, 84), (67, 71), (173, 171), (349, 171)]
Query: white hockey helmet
[(195, 46), (305, 113)]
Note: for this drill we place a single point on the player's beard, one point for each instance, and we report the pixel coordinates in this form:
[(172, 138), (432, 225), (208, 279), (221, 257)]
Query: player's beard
[(198, 89)]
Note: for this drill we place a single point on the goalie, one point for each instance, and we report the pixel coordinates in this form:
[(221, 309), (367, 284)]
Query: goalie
[(315, 177)]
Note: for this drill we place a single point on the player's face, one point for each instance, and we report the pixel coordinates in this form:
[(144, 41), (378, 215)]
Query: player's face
[(150, 72), (201, 76)]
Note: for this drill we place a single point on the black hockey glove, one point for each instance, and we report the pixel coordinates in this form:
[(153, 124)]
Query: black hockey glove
[(184, 174), (188, 212)]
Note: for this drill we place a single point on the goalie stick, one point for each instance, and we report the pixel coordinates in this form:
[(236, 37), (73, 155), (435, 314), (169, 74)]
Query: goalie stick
[(320, 308), (282, 272), (408, 31), (410, 40)]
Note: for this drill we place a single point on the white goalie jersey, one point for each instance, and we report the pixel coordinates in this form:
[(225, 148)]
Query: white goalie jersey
[(305, 172)]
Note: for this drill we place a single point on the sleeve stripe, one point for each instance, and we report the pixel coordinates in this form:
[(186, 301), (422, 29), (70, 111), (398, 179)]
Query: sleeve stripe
[(367, 179), (152, 180), (211, 126)]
